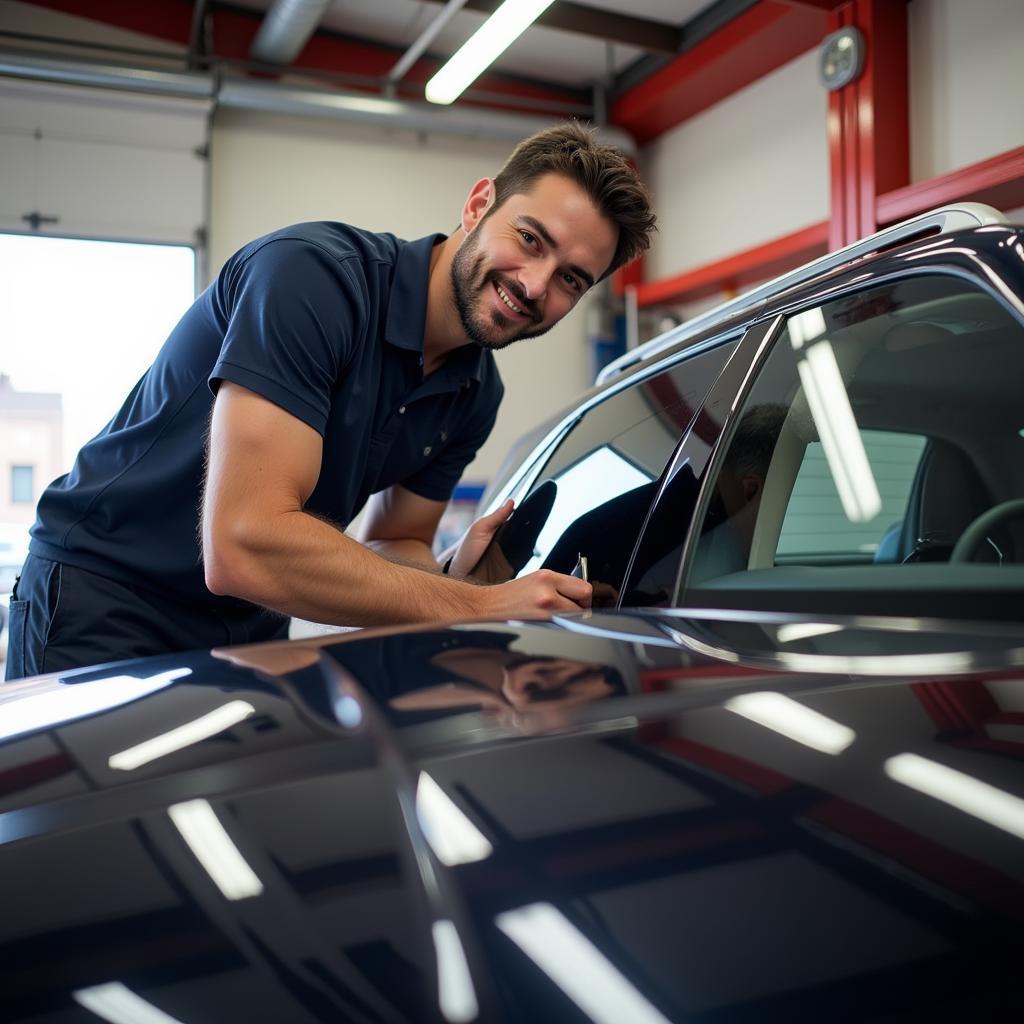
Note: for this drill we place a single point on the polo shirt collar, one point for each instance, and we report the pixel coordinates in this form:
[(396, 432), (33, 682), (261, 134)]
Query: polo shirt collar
[(407, 307)]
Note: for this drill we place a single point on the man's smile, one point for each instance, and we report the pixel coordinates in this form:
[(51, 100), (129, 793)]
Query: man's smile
[(507, 299)]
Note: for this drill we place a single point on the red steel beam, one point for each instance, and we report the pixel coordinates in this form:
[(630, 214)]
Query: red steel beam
[(999, 181), (868, 120), (744, 268), (750, 46)]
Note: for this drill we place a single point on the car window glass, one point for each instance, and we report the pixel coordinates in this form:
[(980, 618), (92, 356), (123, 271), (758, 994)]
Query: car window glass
[(593, 494), (815, 525), (880, 431)]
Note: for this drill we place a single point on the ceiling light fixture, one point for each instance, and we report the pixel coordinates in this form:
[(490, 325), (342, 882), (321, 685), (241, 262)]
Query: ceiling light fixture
[(484, 47)]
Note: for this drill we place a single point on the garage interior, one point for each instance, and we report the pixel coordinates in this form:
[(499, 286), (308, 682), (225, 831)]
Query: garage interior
[(693, 811), (201, 125)]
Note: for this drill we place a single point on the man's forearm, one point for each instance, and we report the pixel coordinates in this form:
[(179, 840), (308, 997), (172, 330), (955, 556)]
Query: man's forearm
[(299, 565), (405, 552)]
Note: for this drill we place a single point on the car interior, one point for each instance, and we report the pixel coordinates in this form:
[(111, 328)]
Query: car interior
[(920, 395)]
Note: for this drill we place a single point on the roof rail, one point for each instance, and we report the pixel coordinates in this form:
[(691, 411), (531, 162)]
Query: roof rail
[(946, 218)]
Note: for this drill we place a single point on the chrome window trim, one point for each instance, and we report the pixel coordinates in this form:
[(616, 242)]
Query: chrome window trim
[(954, 217)]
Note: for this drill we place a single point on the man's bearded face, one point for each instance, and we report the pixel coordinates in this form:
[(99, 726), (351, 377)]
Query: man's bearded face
[(474, 286)]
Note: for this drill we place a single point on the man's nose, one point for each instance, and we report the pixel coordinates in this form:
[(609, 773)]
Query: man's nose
[(534, 280)]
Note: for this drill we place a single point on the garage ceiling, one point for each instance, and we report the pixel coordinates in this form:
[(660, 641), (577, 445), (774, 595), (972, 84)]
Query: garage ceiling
[(641, 72), (593, 51)]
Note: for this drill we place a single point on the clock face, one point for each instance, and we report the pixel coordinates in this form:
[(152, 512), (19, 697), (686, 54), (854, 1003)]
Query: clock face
[(842, 58)]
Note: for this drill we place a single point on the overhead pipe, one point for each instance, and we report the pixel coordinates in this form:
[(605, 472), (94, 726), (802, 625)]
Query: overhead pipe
[(429, 34), (275, 98), (286, 28)]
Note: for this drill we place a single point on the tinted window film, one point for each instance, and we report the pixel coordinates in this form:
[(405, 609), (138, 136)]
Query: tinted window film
[(881, 430), (593, 494)]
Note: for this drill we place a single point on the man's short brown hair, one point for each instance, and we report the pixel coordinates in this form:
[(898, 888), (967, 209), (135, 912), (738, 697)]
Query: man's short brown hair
[(601, 171)]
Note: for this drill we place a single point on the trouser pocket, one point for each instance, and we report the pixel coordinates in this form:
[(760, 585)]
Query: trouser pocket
[(16, 625)]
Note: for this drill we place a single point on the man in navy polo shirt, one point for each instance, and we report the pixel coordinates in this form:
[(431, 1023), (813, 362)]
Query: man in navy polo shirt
[(325, 367)]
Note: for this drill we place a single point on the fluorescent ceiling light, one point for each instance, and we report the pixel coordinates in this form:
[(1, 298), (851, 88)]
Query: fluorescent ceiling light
[(198, 823), (456, 994), (184, 736), (118, 1004), (793, 720), (804, 631), (840, 439), (452, 836), (959, 790), (67, 701), (577, 966), (484, 47)]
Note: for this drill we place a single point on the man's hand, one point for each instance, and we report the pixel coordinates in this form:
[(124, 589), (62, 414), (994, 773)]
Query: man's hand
[(538, 594), (474, 545)]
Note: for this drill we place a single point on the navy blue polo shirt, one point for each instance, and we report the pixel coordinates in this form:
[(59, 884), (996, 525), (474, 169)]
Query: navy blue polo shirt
[(325, 321)]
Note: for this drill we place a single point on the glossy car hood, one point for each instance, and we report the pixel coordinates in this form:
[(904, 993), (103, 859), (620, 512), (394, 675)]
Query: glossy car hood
[(617, 817)]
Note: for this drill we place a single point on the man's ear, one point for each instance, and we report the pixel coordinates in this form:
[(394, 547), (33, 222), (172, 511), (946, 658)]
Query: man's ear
[(480, 200)]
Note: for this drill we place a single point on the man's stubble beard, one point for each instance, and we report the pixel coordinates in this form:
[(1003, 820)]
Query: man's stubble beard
[(467, 267)]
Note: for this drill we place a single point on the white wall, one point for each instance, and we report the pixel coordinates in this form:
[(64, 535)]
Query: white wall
[(755, 166), (751, 168), (966, 82)]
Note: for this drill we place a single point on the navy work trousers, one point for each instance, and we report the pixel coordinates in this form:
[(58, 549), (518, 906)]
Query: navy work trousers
[(62, 617)]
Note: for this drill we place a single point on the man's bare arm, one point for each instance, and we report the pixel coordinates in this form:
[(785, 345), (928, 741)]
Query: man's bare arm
[(259, 544), (400, 526)]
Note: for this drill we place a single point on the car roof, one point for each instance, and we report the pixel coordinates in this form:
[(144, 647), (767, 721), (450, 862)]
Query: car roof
[(943, 220)]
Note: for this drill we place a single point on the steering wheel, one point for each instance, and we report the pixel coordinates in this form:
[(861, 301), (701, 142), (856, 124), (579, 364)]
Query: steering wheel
[(985, 524)]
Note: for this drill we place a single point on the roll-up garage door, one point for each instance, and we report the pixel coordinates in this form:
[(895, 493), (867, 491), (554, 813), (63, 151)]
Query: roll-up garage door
[(102, 164)]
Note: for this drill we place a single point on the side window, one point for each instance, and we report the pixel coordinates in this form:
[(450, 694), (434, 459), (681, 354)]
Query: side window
[(594, 492), (882, 431), (815, 528)]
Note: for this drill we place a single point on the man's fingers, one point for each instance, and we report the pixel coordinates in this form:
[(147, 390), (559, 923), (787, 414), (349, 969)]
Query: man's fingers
[(497, 517), (577, 592), (539, 593)]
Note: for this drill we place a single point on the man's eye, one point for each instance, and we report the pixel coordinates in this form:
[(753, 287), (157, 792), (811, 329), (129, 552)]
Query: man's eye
[(528, 238), (571, 281)]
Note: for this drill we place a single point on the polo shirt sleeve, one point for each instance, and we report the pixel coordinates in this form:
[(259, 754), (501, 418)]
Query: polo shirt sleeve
[(438, 478), (294, 311)]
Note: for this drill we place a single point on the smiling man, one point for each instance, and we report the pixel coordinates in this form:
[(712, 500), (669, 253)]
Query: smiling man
[(326, 367)]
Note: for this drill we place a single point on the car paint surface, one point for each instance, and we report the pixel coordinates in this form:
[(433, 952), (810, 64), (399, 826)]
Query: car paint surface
[(753, 820)]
